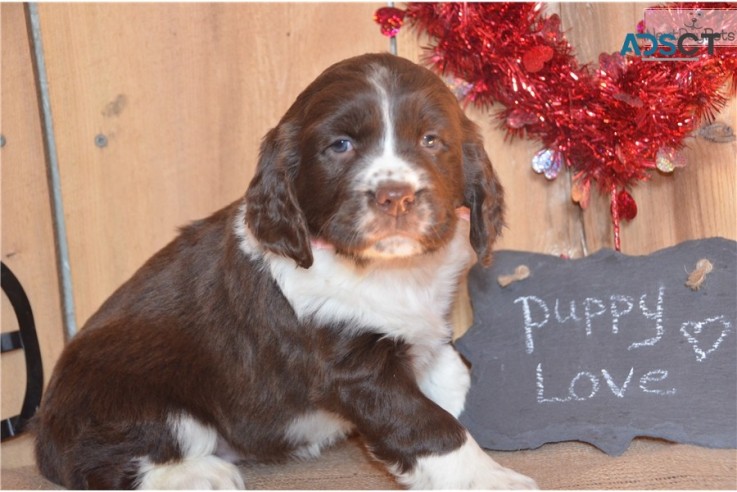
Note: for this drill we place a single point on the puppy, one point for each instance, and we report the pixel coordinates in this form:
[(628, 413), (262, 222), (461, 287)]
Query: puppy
[(314, 307)]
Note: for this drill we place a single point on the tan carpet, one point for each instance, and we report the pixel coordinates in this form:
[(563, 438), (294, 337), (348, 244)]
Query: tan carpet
[(648, 464)]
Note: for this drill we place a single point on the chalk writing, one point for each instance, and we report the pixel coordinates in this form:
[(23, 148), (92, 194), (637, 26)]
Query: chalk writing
[(657, 315), (654, 377), (617, 301), (571, 312), (594, 384), (585, 385), (618, 391), (536, 314), (589, 314), (691, 328), (529, 324)]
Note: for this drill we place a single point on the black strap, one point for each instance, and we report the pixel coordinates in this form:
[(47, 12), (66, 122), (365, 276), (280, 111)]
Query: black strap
[(25, 338), (10, 427), (11, 341)]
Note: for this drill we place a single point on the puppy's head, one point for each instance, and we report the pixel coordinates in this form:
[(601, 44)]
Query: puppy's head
[(373, 157)]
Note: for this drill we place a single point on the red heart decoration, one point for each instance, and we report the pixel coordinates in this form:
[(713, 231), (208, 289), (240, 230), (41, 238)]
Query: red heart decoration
[(390, 19), (626, 205), (536, 58)]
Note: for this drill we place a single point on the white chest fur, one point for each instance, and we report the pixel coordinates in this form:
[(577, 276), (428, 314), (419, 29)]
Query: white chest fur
[(406, 299)]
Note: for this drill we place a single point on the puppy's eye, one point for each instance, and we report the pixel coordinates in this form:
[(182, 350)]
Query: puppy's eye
[(341, 146), (430, 141)]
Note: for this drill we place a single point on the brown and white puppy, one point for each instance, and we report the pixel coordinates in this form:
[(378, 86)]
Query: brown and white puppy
[(316, 306)]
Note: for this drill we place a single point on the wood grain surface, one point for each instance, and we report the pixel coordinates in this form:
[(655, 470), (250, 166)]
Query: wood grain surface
[(27, 231)]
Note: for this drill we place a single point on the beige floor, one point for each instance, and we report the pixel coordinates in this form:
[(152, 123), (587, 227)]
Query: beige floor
[(648, 464)]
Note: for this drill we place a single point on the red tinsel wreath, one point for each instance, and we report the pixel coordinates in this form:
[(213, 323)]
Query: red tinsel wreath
[(612, 124)]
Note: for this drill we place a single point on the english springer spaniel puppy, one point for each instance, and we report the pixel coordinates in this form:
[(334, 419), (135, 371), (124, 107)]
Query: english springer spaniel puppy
[(314, 307)]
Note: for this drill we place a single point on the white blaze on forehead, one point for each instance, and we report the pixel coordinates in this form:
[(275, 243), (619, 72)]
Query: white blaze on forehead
[(388, 166), (379, 80)]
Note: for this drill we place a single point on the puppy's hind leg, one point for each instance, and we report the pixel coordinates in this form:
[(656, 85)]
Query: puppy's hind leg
[(198, 467)]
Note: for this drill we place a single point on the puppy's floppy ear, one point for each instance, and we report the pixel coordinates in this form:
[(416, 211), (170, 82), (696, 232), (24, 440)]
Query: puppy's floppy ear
[(483, 193), (273, 213)]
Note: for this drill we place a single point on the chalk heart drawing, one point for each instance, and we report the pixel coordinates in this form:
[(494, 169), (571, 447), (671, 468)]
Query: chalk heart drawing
[(692, 329)]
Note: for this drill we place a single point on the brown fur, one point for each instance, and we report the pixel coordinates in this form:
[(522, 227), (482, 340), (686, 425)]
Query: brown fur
[(203, 328)]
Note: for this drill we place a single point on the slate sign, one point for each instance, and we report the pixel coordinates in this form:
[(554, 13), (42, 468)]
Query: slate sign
[(603, 349)]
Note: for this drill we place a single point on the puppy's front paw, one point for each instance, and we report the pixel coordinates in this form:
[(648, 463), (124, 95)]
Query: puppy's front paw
[(468, 467), (496, 476), (202, 473)]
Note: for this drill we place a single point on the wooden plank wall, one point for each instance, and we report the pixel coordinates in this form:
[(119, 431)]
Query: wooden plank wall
[(159, 110), (27, 231)]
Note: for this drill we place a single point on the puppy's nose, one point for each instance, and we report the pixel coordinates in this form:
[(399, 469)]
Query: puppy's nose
[(394, 198)]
